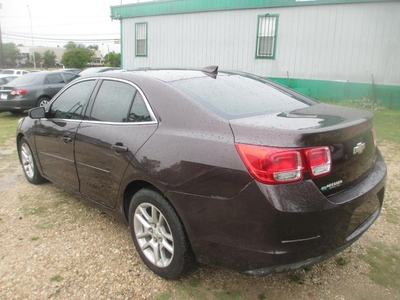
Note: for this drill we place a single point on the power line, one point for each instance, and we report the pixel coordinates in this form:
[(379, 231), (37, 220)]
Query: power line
[(59, 39)]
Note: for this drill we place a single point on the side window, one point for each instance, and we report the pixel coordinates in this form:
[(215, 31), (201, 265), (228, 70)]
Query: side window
[(70, 103), (266, 36), (139, 112), (141, 39), (54, 79), (69, 77), (113, 102)]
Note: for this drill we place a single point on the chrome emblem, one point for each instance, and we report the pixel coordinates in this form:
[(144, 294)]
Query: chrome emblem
[(359, 148)]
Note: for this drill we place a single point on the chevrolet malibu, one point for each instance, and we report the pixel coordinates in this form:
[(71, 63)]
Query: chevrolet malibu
[(223, 168)]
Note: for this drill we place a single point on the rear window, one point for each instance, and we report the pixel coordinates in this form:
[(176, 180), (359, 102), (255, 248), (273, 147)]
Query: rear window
[(236, 96), (27, 79)]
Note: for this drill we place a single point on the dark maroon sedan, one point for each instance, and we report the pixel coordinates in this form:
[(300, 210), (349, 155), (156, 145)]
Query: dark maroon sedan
[(220, 167)]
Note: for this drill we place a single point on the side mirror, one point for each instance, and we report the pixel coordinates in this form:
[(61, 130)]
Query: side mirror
[(37, 113)]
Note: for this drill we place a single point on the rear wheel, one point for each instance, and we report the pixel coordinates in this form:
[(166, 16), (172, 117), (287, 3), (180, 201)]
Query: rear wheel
[(158, 235), (43, 102), (28, 163)]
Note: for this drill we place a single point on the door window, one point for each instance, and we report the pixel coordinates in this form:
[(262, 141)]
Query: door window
[(69, 77), (54, 79), (70, 104), (115, 103)]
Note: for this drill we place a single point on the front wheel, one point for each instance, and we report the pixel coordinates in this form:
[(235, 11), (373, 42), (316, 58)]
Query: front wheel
[(28, 163), (158, 235)]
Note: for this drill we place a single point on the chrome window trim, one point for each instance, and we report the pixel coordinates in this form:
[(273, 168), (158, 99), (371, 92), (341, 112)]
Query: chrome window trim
[(146, 102)]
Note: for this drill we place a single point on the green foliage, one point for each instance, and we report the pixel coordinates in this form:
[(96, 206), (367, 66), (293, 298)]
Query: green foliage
[(93, 47), (385, 264), (341, 261), (11, 53), (8, 125), (77, 56), (113, 59), (57, 278), (49, 59)]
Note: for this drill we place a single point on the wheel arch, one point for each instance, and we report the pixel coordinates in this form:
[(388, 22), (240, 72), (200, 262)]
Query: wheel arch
[(133, 187)]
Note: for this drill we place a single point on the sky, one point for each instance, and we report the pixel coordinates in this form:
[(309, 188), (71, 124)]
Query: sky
[(54, 23)]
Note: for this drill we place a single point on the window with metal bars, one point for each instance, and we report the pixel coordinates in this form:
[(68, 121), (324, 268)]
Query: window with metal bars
[(141, 39), (266, 36)]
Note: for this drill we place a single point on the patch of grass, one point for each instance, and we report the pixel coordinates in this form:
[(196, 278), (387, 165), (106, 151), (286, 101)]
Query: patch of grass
[(228, 295), (57, 278), (8, 125), (44, 226), (385, 265), (164, 296), (261, 297), (195, 281), (341, 261), (32, 211), (296, 278), (34, 238)]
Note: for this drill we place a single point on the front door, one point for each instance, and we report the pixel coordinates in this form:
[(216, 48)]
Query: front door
[(120, 123), (55, 135)]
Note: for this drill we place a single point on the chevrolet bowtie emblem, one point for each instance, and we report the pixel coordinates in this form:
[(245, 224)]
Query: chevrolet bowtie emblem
[(359, 148)]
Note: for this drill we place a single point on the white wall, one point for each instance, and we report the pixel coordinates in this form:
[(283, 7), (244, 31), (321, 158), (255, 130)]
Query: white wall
[(329, 42)]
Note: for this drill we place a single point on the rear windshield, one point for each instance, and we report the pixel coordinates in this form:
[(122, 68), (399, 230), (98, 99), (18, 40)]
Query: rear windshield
[(26, 79), (236, 96)]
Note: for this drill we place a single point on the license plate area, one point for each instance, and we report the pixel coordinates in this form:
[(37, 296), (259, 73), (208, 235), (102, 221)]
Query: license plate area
[(4, 96)]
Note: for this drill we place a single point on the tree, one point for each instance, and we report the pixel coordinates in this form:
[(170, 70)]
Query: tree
[(49, 59), (76, 56), (93, 47), (11, 53), (113, 59)]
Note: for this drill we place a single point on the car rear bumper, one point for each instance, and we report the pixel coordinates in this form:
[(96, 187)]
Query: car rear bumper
[(16, 105), (268, 229)]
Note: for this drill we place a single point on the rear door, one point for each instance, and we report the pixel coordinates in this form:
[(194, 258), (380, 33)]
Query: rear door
[(53, 83), (55, 135), (120, 122)]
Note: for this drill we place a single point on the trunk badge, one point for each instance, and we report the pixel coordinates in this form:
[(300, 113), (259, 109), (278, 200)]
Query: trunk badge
[(359, 148)]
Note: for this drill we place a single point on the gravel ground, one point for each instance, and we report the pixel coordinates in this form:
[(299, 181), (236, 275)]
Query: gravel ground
[(53, 245)]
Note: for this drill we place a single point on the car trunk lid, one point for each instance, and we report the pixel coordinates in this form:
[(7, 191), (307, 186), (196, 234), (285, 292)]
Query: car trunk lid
[(347, 132)]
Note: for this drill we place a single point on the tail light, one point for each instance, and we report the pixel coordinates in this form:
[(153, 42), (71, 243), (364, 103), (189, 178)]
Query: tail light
[(16, 92), (283, 165)]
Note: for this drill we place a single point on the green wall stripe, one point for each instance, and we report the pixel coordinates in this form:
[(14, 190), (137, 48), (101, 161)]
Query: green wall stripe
[(154, 8), (388, 95)]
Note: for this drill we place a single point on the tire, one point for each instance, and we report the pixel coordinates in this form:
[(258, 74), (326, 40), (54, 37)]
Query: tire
[(28, 163), (158, 235), (42, 102)]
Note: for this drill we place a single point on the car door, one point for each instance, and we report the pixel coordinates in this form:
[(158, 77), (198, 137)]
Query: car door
[(53, 83), (120, 122), (55, 135)]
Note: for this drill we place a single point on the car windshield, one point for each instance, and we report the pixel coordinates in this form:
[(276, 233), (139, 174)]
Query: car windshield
[(235, 96), (26, 79)]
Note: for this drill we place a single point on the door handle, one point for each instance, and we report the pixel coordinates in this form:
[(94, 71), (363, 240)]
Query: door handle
[(119, 147)]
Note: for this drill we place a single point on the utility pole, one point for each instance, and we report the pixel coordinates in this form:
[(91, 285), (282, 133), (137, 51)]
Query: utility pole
[(33, 45), (2, 62)]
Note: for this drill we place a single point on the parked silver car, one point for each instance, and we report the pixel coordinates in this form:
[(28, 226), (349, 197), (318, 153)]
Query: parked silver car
[(32, 89)]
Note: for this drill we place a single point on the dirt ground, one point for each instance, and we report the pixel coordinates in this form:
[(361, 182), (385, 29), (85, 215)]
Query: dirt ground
[(53, 245)]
